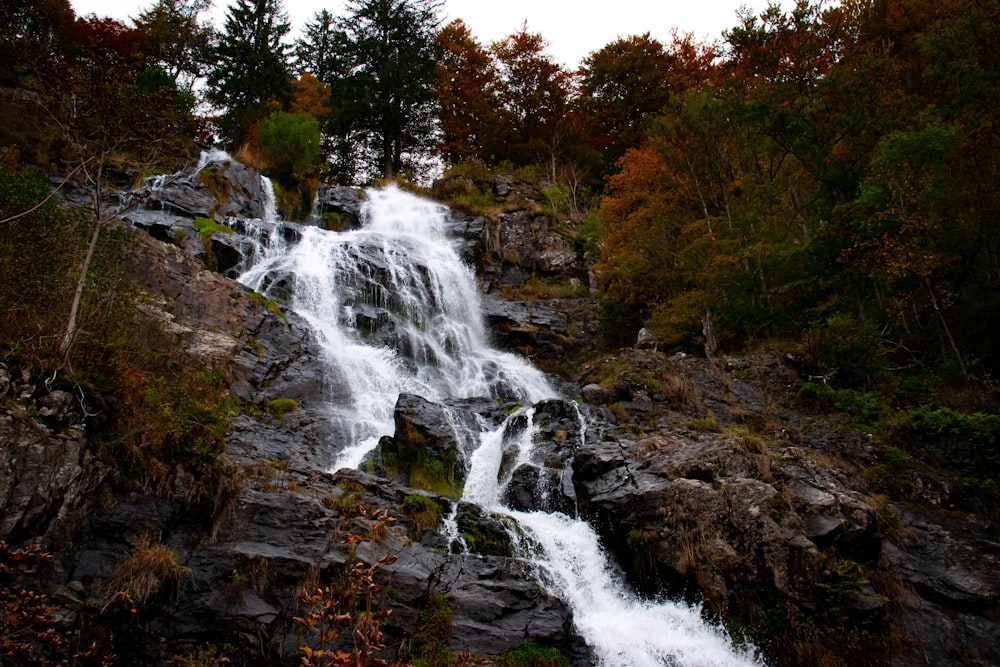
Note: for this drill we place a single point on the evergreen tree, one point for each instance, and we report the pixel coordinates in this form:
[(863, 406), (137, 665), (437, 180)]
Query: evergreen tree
[(252, 66), (383, 93), (315, 50)]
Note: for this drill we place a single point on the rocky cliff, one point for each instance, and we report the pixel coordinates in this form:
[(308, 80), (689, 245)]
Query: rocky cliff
[(707, 480)]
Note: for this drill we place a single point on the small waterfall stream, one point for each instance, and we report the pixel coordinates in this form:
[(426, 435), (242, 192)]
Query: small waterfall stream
[(397, 311)]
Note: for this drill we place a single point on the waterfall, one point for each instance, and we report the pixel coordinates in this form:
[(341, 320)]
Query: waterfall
[(622, 630), (396, 310)]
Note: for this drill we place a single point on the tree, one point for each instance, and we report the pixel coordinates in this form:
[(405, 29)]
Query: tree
[(383, 91), (315, 50), (310, 96), (252, 68), (621, 85), (631, 79), (33, 35), (175, 39), (465, 88), (533, 95), (290, 145), (115, 111)]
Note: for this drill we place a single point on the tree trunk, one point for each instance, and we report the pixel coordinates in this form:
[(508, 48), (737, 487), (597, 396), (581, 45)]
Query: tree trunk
[(944, 325), (707, 328), (67, 341)]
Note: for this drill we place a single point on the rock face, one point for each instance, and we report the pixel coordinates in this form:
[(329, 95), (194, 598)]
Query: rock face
[(425, 452), (338, 207), (282, 526), (762, 507), (545, 481), (43, 480)]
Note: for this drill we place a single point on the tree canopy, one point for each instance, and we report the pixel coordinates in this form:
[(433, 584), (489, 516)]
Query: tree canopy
[(818, 170)]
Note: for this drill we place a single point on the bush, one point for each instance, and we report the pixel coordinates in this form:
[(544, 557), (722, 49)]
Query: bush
[(280, 407), (965, 446), (39, 254), (290, 144), (848, 349)]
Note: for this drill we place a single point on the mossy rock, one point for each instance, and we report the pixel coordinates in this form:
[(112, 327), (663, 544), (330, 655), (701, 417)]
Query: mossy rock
[(483, 533), (423, 453)]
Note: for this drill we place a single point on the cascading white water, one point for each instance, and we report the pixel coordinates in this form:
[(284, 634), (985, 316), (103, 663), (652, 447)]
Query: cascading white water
[(622, 630), (397, 311)]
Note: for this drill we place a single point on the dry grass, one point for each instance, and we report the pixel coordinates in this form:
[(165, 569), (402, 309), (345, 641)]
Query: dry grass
[(141, 576), (249, 155), (690, 551)]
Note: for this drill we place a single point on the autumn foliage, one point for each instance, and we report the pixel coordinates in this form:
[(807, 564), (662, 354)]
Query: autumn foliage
[(834, 167), (822, 164)]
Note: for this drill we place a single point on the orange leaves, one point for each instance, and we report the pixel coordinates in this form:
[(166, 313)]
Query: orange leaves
[(310, 96), (327, 611), (466, 77)]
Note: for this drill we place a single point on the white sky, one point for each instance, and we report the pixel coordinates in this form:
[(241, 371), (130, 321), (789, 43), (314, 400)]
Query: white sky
[(573, 29)]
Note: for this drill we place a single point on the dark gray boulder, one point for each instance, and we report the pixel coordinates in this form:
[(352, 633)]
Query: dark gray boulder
[(337, 208)]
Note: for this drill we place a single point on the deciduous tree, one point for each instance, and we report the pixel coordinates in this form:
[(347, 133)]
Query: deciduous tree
[(533, 94), (176, 40), (33, 35), (466, 88)]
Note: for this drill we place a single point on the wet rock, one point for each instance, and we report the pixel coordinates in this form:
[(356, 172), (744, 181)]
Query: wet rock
[(338, 207), (527, 327), (423, 452), (484, 533), (469, 234)]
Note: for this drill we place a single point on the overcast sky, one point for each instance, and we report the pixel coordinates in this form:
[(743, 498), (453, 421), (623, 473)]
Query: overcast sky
[(573, 29)]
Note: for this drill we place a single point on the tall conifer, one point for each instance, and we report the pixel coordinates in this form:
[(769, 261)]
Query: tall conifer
[(383, 93), (252, 67)]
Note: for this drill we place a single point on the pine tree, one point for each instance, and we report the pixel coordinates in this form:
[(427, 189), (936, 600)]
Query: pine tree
[(315, 50), (252, 67), (383, 95)]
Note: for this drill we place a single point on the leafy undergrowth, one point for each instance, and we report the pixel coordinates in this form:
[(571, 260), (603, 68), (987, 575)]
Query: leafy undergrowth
[(152, 409), (960, 447), (30, 632)]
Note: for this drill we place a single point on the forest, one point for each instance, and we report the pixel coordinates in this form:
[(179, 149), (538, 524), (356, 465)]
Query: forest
[(825, 173)]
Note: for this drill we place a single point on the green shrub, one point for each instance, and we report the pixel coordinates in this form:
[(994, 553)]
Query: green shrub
[(848, 348), (280, 407), (268, 304), (290, 144), (557, 200), (530, 654), (965, 446)]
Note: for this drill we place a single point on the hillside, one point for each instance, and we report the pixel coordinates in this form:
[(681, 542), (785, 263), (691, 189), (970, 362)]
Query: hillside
[(176, 470)]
